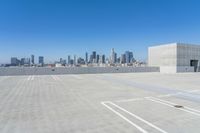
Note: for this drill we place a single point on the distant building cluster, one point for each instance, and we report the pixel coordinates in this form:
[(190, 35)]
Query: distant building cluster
[(93, 59), (26, 61)]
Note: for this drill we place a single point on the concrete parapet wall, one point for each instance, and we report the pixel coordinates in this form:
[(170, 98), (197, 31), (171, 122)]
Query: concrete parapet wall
[(73, 70)]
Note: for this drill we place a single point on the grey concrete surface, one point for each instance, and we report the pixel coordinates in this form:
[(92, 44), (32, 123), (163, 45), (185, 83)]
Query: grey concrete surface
[(6, 71), (100, 103)]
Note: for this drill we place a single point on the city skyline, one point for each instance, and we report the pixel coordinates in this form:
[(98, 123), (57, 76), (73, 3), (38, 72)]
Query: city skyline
[(56, 28), (90, 58)]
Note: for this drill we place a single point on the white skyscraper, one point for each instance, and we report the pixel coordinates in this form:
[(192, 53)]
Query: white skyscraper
[(113, 56), (75, 61)]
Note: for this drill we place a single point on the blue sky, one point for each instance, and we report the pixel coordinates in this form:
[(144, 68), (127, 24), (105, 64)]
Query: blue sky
[(56, 28)]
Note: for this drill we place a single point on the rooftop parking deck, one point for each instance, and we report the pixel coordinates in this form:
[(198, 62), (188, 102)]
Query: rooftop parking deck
[(100, 103)]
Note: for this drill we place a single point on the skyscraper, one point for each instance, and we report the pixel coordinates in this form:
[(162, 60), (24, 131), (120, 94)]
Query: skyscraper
[(14, 61), (86, 58), (61, 60), (103, 59), (27, 62), (123, 59), (94, 54), (32, 59), (129, 56), (91, 59), (113, 56), (22, 61), (75, 61), (41, 60), (69, 59), (97, 59)]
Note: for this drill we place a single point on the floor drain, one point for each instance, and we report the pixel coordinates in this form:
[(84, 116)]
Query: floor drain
[(178, 106)]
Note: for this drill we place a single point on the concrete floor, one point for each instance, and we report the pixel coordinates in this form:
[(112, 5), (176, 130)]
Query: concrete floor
[(100, 103)]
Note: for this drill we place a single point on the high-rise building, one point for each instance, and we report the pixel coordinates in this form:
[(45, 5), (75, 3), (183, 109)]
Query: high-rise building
[(61, 60), (97, 59), (71, 62), (41, 60), (14, 61), (27, 62), (69, 59), (22, 62), (94, 54), (129, 56), (113, 56), (91, 59), (123, 59), (118, 60), (32, 59), (86, 58), (103, 59), (75, 61), (80, 61)]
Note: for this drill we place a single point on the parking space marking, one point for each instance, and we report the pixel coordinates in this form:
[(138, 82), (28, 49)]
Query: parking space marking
[(30, 77), (195, 110), (178, 93), (76, 76), (139, 118), (153, 99), (123, 117), (170, 95), (55, 77), (159, 96), (130, 100)]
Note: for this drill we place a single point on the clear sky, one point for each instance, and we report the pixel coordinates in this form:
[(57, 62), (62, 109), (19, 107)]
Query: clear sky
[(56, 28)]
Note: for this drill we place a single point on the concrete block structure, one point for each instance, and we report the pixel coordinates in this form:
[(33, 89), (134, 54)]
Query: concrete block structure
[(175, 57)]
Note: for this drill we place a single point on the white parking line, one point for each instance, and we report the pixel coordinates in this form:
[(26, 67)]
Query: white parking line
[(194, 91), (55, 77), (126, 119), (130, 100), (32, 78), (76, 76), (195, 110), (139, 118), (178, 93), (159, 96), (170, 95), (153, 99), (29, 77)]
